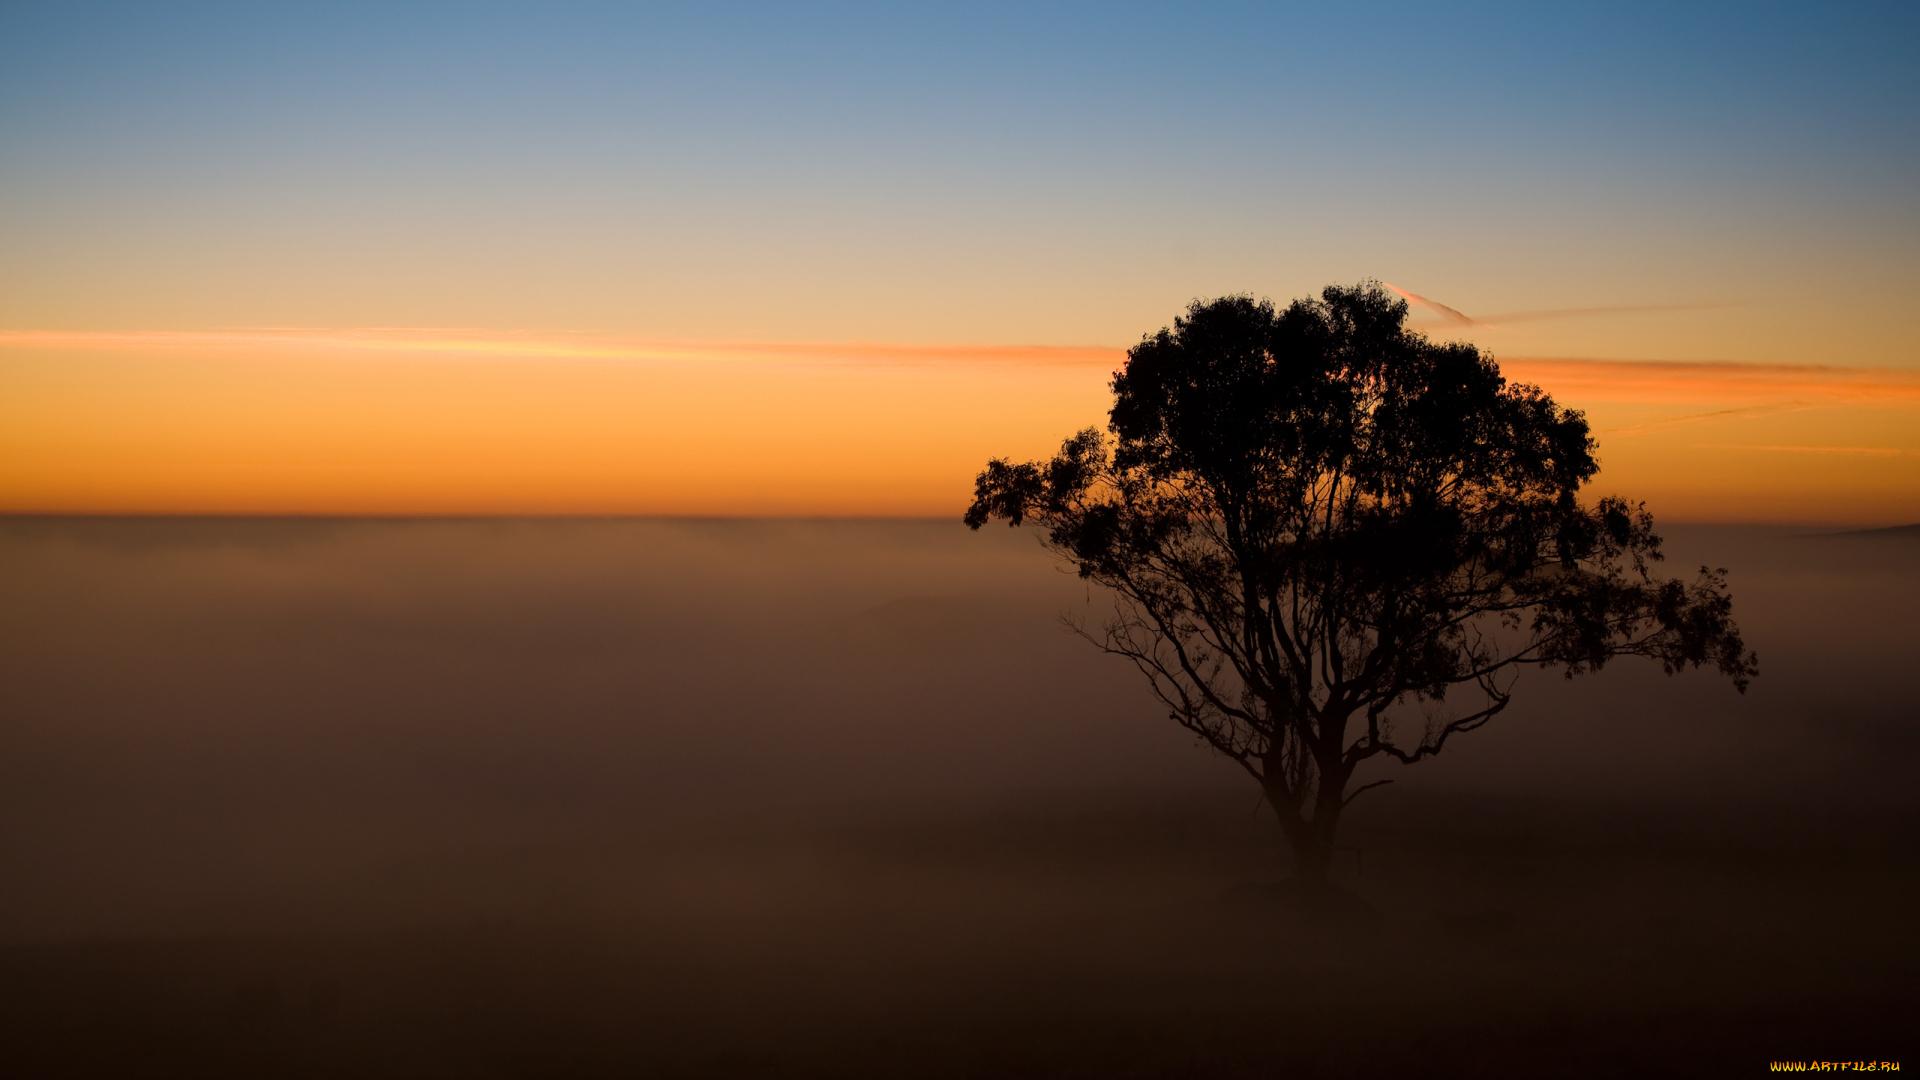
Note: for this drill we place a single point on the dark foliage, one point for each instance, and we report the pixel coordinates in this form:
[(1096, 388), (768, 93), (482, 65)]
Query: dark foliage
[(1318, 524)]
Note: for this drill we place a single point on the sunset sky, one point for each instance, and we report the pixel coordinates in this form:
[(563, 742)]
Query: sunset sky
[(822, 260)]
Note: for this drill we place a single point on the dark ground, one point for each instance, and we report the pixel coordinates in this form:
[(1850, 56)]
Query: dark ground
[(835, 799)]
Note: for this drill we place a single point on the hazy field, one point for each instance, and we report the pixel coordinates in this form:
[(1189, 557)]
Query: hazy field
[(490, 798)]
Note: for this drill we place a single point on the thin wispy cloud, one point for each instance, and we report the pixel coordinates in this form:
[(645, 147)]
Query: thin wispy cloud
[(1730, 385), (1447, 314), (474, 344), (1547, 314), (1718, 416), (1733, 387), (1455, 317), (1870, 451)]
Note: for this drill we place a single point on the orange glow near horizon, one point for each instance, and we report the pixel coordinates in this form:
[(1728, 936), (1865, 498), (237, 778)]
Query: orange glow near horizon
[(458, 421), (453, 421)]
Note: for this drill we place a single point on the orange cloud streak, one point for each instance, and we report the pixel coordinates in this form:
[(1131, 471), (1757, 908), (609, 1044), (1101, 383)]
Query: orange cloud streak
[(1872, 451), (1575, 379), (457, 343), (1660, 381)]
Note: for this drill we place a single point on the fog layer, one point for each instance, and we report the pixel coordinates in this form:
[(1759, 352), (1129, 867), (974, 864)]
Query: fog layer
[(242, 730)]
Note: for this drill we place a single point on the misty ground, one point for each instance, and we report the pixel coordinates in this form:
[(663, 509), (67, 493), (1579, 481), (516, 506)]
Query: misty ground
[(503, 798)]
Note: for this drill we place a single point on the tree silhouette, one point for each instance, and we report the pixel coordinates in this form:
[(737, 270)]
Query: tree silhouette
[(1323, 530)]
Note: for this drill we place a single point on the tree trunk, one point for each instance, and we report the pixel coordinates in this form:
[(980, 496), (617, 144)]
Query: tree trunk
[(1311, 842), (1312, 838)]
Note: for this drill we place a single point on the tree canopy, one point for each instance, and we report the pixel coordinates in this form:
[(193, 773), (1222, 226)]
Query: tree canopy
[(1333, 539)]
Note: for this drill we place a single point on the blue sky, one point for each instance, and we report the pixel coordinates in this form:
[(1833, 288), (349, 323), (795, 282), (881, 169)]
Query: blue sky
[(1043, 173)]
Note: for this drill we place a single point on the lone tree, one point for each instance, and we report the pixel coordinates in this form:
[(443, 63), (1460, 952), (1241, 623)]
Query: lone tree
[(1323, 530)]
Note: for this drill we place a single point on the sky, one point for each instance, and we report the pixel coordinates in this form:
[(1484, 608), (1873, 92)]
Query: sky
[(828, 259)]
